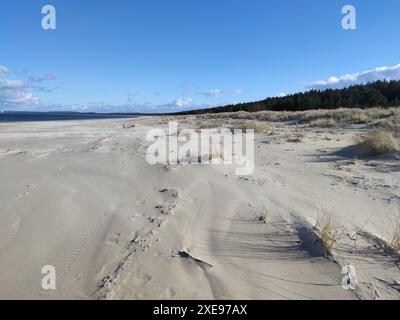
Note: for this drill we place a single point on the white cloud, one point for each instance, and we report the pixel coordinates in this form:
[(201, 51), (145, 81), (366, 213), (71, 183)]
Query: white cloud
[(281, 94), (379, 73), (21, 98), (184, 102), (3, 69), (14, 94), (11, 84), (17, 98)]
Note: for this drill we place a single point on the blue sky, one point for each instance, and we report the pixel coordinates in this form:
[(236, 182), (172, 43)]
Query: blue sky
[(166, 55)]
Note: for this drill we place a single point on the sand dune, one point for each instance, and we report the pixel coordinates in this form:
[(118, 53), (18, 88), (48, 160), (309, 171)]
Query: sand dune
[(79, 195)]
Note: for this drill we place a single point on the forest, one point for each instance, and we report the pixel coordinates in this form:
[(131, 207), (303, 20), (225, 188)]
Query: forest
[(373, 94)]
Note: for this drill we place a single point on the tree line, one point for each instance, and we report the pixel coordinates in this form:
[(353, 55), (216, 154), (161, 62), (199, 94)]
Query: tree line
[(373, 94)]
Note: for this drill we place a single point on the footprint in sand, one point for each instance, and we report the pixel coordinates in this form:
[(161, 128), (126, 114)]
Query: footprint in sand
[(170, 197), (137, 216), (114, 238), (25, 193), (141, 202), (141, 279), (169, 293), (7, 232)]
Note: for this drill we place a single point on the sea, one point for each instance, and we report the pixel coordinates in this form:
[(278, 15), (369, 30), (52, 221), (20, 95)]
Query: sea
[(59, 116)]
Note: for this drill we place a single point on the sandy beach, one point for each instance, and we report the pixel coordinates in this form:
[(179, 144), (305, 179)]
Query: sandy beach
[(80, 196)]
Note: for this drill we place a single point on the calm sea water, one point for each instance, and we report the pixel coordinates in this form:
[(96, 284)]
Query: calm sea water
[(58, 116)]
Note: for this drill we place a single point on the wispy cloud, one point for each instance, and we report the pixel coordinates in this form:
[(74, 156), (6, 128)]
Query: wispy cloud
[(128, 107), (19, 98), (11, 84), (3, 69), (380, 73), (47, 77), (183, 102), (43, 89), (102, 106), (215, 93), (14, 93), (210, 93), (188, 87)]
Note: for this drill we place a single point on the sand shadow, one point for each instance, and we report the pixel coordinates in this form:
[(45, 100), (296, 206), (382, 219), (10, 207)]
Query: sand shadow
[(387, 162), (274, 241)]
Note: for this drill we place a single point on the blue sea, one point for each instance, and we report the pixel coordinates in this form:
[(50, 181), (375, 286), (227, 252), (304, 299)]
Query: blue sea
[(54, 116)]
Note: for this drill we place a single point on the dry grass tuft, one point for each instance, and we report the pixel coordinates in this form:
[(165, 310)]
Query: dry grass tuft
[(208, 124), (265, 217), (257, 126), (378, 142), (322, 122), (297, 137), (128, 125), (391, 124), (393, 238), (216, 156), (326, 231)]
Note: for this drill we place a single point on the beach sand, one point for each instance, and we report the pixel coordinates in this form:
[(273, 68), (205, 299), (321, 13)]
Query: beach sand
[(80, 196)]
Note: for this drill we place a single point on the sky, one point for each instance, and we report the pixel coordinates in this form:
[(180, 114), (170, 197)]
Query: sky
[(174, 55)]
